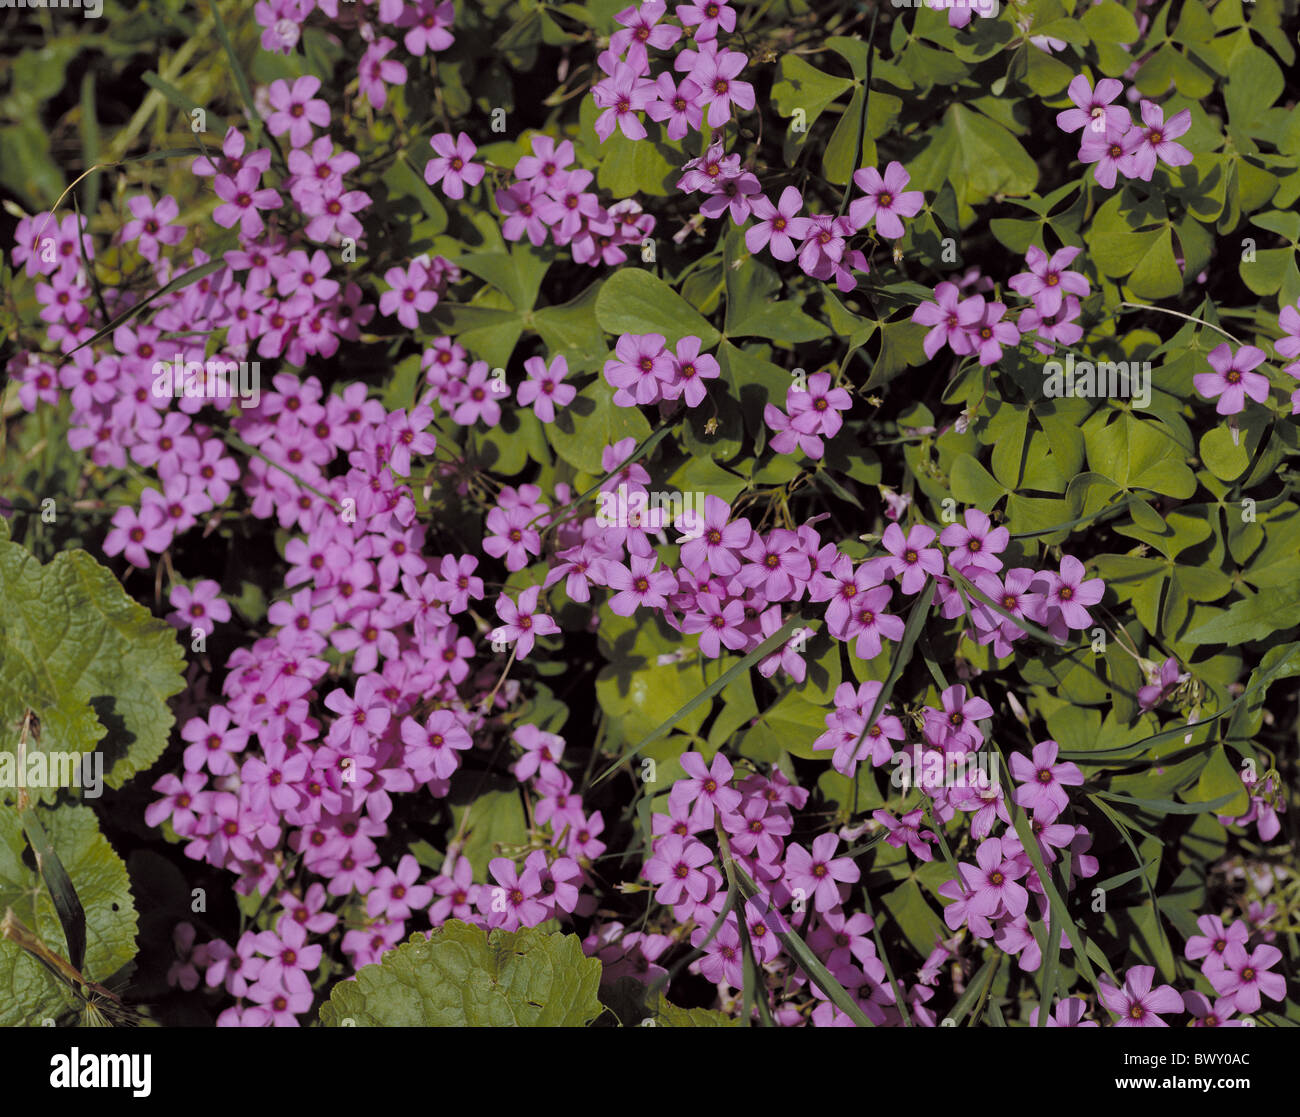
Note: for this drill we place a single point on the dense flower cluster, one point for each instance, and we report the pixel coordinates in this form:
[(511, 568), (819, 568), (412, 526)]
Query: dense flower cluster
[(382, 670)]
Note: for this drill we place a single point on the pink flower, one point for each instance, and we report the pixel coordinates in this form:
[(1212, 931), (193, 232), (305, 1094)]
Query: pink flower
[(1068, 1013), (988, 333), (886, 200), (993, 884), (678, 104), (395, 894), (243, 199), (430, 24), (1137, 1005), (1113, 151), (707, 18), (137, 534), (1205, 1015), (1245, 976), (676, 866), (151, 224), (956, 726), (951, 317), (719, 541), (717, 624), (200, 607), (1047, 281), (542, 752), (778, 226), (1168, 678), (375, 72), (716, 74), (705, 789), (1156, 141), (691, 369), (480, 399), (431, 748), (820, 873), (1094, 107), (976, 542), (1043, 781), (452, 166), (639, 370), (409, 296), (622, 96), (519, 891), (913, 557), (1067, 596), (641, 30), (523, 624), (296, 109), (907, 831), (639, 585), (1233, 379), (544, 388)]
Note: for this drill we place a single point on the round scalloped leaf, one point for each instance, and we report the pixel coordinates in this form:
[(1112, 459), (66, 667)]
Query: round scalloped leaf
[(95, 667), (28, 991), (463, 976)]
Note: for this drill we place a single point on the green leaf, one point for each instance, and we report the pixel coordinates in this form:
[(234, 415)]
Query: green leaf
[(1156, 274), (26, 168), (1110, 22), (571, 329), (632, 301), (592, 422), (28, 991), (1280, 662), (800, 85), (466, 977), (639, 699), (645, 166), (766, 648), (404, 181), (496, 820), (517, 273), (915, 917), (1139, 454), (1045, 75), (973, 484), (781, 321), (626, 999), (91, 663), (182, 102), (1255, 617), (90, 140), (977, 155), (1226, 459), (791, 725), (1220, 781), (668, 1015)]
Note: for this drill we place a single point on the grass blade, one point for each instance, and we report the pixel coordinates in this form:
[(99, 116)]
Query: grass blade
[(766, 648), (71, 914), (177, 284), (915, 622), (90, 139), (966, 1002), (241, 82), (818, 974)]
